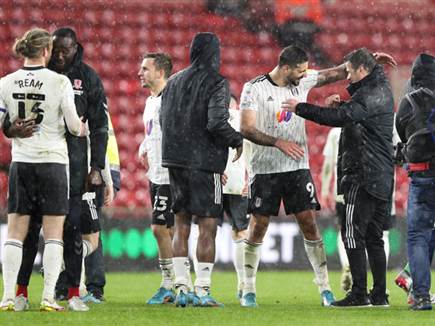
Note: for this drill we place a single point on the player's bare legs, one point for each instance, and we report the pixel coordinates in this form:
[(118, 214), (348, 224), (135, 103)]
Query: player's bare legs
[(206, 249), (307, 224), (257, 228), (205, 252), (315, 251), (163, 235), (181, 234)]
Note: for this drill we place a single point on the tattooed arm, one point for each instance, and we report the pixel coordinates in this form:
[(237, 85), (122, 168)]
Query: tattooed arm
[(250, 132), (331, 75)]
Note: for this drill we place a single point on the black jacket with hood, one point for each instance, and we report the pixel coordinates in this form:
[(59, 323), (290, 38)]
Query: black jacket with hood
[(366, 138), (91, 103), (194, 113), (412, 123)]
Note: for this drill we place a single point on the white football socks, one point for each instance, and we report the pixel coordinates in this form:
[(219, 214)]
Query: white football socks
[(12, 257), (51, 261), (203, 278), (88, 249), (167, 267), (252, 252), (239, 255), (189, 276), (180, 271), (317, 257)]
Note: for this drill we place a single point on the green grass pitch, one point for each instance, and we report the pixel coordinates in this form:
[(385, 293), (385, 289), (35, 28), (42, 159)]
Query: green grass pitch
[(285, 298)]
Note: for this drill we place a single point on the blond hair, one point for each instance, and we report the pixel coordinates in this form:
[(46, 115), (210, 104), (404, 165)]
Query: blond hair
[(32, 43)]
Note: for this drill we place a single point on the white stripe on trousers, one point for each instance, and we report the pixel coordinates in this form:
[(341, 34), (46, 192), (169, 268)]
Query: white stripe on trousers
[(350, 207), (217, 188)]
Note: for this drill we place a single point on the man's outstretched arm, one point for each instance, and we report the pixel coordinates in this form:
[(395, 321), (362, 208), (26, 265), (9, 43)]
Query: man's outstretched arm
[(332, 75)]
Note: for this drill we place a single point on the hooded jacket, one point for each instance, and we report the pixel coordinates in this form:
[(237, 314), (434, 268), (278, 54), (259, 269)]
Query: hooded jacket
[(415, 108), (91, 103), (367, 130), (194, 112)]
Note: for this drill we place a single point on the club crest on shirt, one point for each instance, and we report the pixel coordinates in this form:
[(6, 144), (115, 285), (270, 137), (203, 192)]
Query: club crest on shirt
[(77, 84), (77, 87), (149, 127)]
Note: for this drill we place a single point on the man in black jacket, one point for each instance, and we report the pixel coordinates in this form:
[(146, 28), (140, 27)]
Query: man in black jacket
[(367, 170), (416, 128), (195, 140), (91, 105)]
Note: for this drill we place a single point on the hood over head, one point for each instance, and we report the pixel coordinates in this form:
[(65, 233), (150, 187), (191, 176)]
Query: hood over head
[(205, 51), (423, 72)]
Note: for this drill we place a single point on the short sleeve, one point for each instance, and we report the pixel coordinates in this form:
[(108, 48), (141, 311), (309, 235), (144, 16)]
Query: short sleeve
[(3, 108), (310, 80), (248, 99)]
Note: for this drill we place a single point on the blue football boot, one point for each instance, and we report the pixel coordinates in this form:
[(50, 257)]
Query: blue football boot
[(327, 298), (249, 300), (162, 296)]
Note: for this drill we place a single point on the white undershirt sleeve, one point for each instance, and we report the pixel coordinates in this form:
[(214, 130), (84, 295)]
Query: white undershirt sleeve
[(69, 111)]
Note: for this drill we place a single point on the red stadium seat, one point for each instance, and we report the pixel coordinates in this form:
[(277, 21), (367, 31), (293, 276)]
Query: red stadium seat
[(115, 37)]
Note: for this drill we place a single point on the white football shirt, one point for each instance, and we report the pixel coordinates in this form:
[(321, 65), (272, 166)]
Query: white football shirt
[(153, 141), (330, 152), (235, 171), (265, 97), (46, 96)]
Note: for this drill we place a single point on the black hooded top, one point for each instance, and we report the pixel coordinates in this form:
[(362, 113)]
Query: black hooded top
[(412, 123), (194, 112), (91, 103), (367, 130)]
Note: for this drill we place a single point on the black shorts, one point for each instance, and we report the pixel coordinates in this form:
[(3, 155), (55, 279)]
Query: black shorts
[(161, 198), (236, 209), (90, 212), (38, 187), (295, 188), (196, 192)]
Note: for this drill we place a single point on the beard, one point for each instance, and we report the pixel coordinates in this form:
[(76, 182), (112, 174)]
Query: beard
[(293, 82)]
